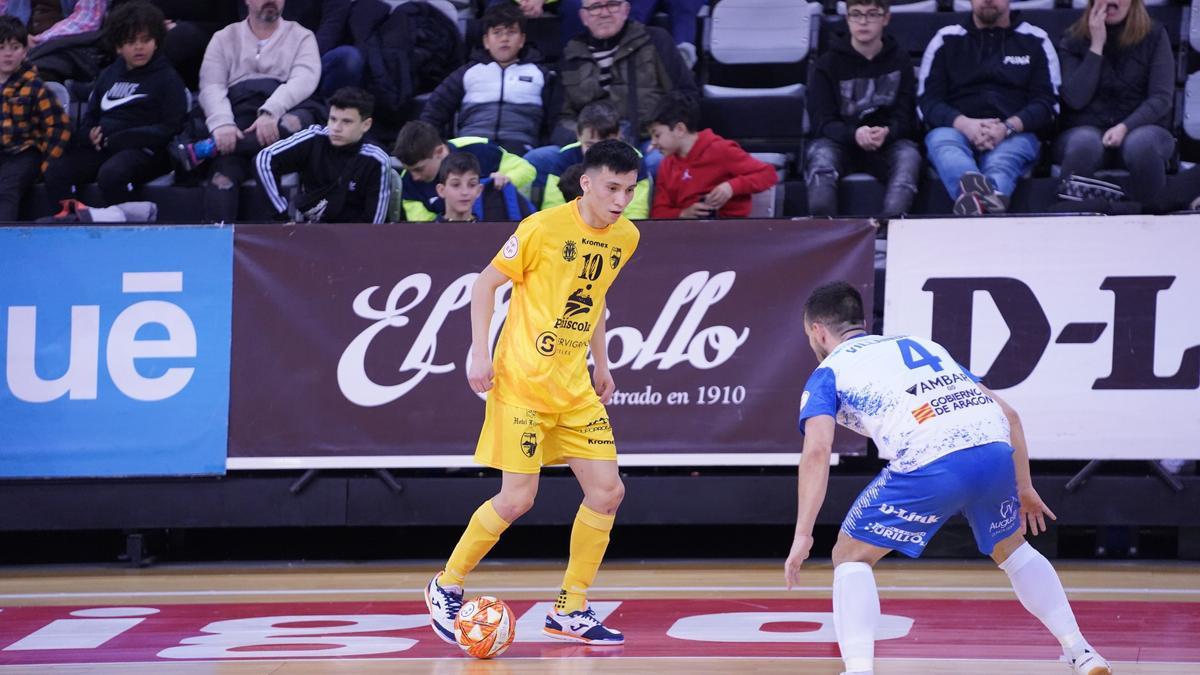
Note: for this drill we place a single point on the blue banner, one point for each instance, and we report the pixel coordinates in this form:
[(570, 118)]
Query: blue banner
[(115, 350)]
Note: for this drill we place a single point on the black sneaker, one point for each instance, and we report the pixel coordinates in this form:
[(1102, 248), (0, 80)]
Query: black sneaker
[(968, 204), (989, 199)]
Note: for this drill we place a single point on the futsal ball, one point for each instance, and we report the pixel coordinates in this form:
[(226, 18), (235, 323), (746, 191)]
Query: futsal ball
[(485, 627)]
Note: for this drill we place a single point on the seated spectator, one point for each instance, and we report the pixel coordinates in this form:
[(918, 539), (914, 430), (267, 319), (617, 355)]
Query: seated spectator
[(702, 175), (256, 86), (632, 65), (569, 182), (467, 199), (342, 64), (137, 105), (36, 129), (420, 149), (190, 27), (988, 85), (502, 93), (862, 102), (1118, 80), (46, 20), (598, 121), (342, 179), (683, 15)]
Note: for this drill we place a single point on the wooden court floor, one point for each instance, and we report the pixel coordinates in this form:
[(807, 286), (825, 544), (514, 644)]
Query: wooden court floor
[(942, 618)]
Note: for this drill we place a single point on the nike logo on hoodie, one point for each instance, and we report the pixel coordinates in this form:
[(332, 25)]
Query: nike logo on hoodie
[(119, 94)]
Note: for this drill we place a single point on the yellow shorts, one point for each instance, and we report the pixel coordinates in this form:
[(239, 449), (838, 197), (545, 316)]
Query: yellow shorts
[(520, 440)]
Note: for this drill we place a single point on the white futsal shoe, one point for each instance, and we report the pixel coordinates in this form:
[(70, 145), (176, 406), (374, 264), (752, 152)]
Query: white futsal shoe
[(443, 603), (1090, 663)]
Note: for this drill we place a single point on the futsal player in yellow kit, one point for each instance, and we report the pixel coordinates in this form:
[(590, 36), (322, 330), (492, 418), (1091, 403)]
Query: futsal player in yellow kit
[(542, 407)]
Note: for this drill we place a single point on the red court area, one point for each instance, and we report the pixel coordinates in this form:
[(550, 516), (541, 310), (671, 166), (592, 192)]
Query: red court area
[(1144, 632)]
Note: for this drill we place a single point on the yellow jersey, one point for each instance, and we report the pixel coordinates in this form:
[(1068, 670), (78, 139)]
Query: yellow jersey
[(561, 269)]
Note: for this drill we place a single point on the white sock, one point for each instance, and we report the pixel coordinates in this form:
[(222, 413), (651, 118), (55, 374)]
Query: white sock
[(1040, 591), (855, 614)]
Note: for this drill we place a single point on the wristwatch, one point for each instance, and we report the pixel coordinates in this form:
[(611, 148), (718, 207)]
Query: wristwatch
[(1009, 129)]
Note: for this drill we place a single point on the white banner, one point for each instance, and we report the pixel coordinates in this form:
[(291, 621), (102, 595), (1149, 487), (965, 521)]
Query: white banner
[(1088, 326)]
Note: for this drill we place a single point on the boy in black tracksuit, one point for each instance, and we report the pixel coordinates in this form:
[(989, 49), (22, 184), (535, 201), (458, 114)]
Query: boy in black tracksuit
[(862, 104), (137, 105), (342, 179)]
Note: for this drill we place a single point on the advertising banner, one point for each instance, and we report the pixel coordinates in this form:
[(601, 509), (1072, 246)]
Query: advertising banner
[(1088, 326), (116, 350), (350, 342)]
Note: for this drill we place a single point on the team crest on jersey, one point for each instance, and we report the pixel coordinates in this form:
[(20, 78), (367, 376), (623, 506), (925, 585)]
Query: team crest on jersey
[(569, 251), (615, 257), (511, 247), (528, 443)]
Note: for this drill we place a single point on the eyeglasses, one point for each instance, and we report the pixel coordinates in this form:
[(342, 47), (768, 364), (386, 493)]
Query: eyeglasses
[(865, 17), (609, 7)]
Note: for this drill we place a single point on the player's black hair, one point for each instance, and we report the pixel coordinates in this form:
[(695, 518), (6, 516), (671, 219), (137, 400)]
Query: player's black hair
[(130, 20), (837, 305), (416, 142), (353, 98), (675, 108), (601, 117), (11, 29), (617, 156), (503, 14), (457, 163), (568, 182)]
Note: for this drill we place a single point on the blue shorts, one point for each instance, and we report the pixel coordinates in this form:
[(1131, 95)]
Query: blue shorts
[(902, 511)]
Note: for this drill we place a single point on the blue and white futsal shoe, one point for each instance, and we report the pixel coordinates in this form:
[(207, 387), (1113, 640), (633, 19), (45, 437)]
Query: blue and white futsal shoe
[(443, 603), (1090, 663), (581, 626)]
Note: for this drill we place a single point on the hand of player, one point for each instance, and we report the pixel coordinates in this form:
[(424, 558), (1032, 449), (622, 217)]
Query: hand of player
[(791, 569), (96, 136), (1033, 512), (499, 180), (698, 210), (1114, 137), (603, 381), (266, 128), (480, 373), (718, 196), (226, 138)]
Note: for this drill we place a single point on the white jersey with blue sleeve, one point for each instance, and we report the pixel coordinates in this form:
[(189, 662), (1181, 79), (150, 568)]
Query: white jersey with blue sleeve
[(908, 394)]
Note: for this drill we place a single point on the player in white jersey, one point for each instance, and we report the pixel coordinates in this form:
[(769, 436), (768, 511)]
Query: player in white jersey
[(957, 448)]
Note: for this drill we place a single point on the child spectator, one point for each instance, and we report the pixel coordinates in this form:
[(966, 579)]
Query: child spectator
[(597, 122), (342, 179), (863, 105), (420, 149), (502, 94), (568, 183), (467, 198), (702, 175), (137, 105), (35, 128)]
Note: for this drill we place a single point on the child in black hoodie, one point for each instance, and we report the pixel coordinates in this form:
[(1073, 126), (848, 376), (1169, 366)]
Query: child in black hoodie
[(137, 105), (862, 104)]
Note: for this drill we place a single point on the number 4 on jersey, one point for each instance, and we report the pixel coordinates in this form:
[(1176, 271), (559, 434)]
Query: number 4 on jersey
[(915, 356)]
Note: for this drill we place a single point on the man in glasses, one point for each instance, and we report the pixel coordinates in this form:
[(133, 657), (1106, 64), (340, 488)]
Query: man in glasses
[(631, 65), (862, 102)]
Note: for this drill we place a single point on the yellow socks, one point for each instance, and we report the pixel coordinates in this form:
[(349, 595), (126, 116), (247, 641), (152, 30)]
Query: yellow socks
[(481, 535), (589, 539)]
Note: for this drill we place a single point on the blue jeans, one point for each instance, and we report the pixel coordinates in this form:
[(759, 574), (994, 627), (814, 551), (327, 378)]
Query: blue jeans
[(341, 67), (952, 155)]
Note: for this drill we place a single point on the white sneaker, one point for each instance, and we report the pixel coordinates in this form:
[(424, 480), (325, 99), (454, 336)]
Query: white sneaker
[(443, 603), (1090, 663), (581, 626)]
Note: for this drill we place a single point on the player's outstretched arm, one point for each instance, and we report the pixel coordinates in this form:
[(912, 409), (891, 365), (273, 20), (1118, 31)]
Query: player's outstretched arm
[(1033, 509), (812, 483), (483, 304), (602, 379)]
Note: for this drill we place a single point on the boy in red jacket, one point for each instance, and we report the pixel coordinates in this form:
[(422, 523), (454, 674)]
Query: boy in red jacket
[(702, 175)]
